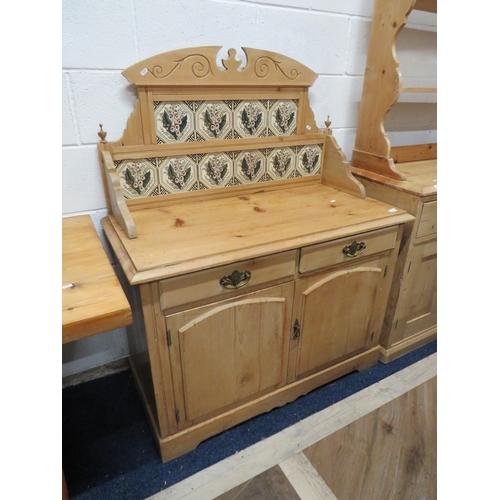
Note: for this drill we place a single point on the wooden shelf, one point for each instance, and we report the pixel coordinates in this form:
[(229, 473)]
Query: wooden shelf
[(418, 94)]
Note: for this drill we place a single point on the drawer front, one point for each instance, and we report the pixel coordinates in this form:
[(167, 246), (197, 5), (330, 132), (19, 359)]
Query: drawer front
[(347, 249), (428, 220), (201, 285)]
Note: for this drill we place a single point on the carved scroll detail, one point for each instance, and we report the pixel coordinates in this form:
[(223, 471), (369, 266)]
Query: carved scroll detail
[(177, 68), (200, 67), (262, 68)]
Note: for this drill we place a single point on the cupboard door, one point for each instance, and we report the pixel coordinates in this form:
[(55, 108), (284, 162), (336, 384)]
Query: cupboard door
[(420, 290), (340, 314), (229, 352)]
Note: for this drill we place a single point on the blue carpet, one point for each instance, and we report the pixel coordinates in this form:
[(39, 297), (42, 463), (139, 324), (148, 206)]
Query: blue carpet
[(108, 450)]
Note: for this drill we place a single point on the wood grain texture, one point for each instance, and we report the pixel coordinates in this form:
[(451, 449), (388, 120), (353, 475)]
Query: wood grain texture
[(206, 284), (305, 479), (426, 5), (330, 328), (249, 339), (389, 453), (233, 230), (336, 172), (198, 66), (402, 154), (427, 225), (94, 302), (382, 87), (215, 362), (216, 146), (272, 484), (187, 439), (243, 342), (410, 344), (246, 464), (324, 255), (421, 177), (411, 315), (115, 196)]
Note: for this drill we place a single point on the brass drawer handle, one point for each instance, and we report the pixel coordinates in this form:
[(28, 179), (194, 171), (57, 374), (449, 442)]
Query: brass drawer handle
[(236, 279), (354, 249)]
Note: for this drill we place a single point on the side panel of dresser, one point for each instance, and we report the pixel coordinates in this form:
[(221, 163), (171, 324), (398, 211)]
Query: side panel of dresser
[(411, 315), (144, 359)]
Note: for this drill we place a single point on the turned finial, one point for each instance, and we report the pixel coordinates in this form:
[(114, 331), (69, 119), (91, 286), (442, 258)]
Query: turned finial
[(328, 122), (102, 134)]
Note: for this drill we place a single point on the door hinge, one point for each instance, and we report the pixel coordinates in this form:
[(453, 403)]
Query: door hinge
[(385, 271), (169, 338), (177, 415), (296, 330)]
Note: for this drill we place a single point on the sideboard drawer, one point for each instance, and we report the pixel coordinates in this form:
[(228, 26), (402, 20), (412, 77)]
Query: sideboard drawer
[(222, 281), (428, 220), (346, 249)]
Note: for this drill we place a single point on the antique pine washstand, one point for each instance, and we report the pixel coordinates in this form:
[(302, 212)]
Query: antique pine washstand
[(256, 267)]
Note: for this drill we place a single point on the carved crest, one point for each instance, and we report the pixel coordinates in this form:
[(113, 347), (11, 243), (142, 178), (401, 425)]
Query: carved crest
[(198, 66)]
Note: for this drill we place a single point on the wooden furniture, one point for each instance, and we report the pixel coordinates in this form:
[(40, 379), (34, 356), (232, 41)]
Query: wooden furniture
[(92, 297), (258, 268), (404, 176)]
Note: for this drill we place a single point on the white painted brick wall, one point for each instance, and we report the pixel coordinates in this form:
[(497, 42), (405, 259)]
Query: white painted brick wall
[(99, 41), (361, 8), (82, 187)]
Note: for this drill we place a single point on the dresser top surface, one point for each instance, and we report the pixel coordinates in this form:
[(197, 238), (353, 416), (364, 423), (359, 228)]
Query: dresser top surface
[(183, 237), (421, 177)]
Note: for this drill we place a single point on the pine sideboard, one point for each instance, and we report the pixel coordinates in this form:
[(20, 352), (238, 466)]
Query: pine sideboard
[(256, 266), (405, 176)]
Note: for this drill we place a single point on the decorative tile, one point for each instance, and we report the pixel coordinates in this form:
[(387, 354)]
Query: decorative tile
[(309, 160), (174, 122), (191, 121), (250, 166), (214, 120), (169, 175), (250, 119), (138, 178), (283, 117), (178, 173), (216, 170), (281, 163)]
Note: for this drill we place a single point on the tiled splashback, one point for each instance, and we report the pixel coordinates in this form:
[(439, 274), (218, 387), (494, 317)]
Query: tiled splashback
[(174, 174), (188, 121)]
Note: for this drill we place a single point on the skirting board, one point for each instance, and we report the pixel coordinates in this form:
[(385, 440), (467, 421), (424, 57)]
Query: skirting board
[(408, 345)]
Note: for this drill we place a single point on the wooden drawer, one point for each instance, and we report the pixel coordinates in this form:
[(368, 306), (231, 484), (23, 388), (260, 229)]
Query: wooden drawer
[(331, 253), (428, 220), (201, 285)]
